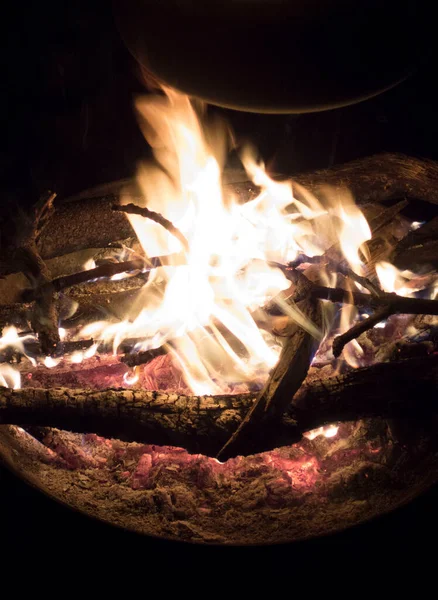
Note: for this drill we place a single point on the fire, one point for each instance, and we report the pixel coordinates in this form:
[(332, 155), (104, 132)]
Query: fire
[(205, 306), (9, 377), (202, 304), (51, 362), (327, 431), (11, 338), (405, 283)]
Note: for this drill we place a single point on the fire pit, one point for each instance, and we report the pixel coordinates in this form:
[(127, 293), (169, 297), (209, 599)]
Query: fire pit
[(231, 363)]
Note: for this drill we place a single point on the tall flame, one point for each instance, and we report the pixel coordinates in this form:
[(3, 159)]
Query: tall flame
[(203, 308)]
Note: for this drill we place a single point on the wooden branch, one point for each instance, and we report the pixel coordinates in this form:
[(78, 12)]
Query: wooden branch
[(133, 209), (396, 304), (358, 328), (107, 271), (380, 177), (284, 381), (402, 389), (142, 358), (386, 217), (336, 267), (45, 313)]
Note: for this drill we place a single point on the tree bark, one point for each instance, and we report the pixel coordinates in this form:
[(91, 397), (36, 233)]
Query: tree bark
[(204, 423)]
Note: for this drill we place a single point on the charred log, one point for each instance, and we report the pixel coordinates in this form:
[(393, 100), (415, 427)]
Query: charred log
[(284, 381), (399, 389)]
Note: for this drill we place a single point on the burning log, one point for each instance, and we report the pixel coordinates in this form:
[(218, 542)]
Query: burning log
[(419, 247), (399, 389), (45, 312), (107, 270), (142, 358), (374, 179), (284, 381), (380, 177)]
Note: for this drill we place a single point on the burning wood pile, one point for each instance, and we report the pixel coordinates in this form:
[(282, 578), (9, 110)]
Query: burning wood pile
[(275, 341)]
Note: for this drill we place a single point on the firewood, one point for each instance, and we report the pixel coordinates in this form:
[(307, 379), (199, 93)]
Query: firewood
[(374, 179), (334, 261), (143, 358), (45, 311), (399, 389), (358, 328), (260, 424), (418, 248), (107, 270)]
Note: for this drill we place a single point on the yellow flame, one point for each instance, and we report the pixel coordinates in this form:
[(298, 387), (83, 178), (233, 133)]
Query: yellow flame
[(77, 357), (51, 362), (130, 378), (12, 339), (205, 306), (404, 283), (327, 431), (89, 264), (9, 377)]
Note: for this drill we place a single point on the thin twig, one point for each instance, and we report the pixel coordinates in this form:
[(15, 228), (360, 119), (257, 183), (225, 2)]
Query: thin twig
[(142, 358), (133, 209), (340, 267), (354, 332), (108, 270), (45, 313)]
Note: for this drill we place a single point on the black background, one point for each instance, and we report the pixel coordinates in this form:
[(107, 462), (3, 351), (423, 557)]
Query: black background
[(67, 124)]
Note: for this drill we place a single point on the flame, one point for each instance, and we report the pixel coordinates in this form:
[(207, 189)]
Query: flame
[(405, 283), (12, 339), (327, 431), (51, 362), (205, 306), (9, 377), (89, 264), (91, 351), (77, 357), (130, 378), (354, 232)]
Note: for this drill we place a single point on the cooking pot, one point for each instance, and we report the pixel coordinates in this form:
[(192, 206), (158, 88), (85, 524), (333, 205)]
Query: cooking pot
[(277, 56)]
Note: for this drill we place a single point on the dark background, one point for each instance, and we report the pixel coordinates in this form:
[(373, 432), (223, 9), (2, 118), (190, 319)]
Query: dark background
[(67, 123)]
